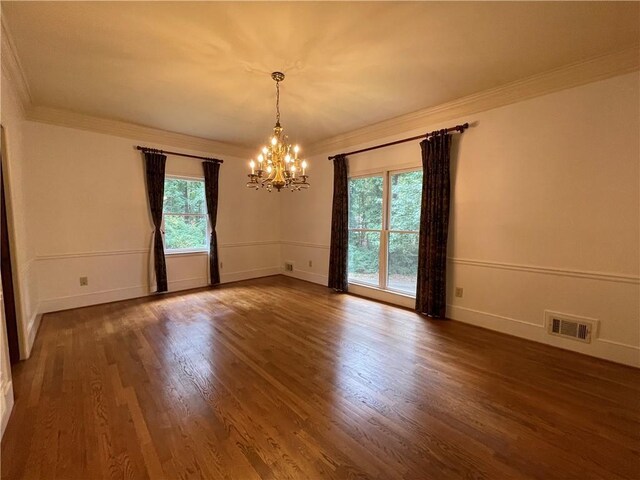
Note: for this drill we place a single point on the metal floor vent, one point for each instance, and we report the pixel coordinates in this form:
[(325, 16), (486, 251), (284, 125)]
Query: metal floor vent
[(288, 266), (569, 326)]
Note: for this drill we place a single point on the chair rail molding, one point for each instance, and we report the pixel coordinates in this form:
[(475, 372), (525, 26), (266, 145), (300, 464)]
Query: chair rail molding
[(564, 272), (305, 244), (145, 251)]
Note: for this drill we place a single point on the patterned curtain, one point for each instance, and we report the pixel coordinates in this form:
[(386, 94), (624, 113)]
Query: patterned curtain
[(155, 165), (339, 226), (211, 171), (431, 297)]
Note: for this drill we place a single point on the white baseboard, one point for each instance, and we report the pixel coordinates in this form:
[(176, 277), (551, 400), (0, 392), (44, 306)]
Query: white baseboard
[(249, 274), (94, 298), (601, 348), (32, 330), (6, 405), (187, 284), (114, 295), (308, 276)]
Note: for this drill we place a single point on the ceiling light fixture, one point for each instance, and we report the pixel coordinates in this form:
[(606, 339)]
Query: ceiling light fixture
[(279, 165)]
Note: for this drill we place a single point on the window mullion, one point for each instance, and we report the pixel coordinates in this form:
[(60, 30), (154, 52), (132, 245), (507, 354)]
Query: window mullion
[(384, 237)]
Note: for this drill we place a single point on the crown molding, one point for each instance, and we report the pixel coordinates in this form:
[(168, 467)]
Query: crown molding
[(66, 118), (572, 75), (12, 67)]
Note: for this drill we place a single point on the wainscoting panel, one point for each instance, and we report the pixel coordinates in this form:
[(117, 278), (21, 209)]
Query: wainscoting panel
[(29, 319), (512, 298), (300, 254), (509, 298), (123, 274), (6, 404), (6, 382)]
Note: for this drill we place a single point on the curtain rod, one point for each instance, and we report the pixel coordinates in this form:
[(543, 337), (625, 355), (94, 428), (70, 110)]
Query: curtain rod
[(155, 150), (457, 128)]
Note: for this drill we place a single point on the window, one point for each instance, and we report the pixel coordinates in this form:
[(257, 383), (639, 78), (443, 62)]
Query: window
[(185, 215), (384, 218), (365, 229)]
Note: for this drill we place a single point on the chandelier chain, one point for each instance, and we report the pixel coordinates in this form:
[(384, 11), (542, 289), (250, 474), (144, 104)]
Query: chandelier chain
[(278, 102)]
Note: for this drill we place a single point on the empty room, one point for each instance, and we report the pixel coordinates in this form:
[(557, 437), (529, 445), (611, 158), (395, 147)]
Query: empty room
[(320, 240)]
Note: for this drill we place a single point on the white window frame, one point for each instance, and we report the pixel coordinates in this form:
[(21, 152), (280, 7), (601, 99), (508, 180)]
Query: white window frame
[(383, 255), (186, 251)]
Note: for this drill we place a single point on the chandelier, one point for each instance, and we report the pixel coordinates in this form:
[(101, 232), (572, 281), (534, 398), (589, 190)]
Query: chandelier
[(278, 164)]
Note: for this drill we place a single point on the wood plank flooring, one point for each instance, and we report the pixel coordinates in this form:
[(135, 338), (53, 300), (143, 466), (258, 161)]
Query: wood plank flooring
[(280, 379)]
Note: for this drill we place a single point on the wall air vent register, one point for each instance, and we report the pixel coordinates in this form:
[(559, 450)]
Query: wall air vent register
[(570, 326)]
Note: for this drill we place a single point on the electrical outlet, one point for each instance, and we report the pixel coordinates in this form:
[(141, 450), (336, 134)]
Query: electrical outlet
[(310, 263), (459, 291), (84, 281)]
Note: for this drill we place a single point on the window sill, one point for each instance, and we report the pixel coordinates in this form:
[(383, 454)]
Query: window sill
[(397, 298), (378, 289), (185, 252)]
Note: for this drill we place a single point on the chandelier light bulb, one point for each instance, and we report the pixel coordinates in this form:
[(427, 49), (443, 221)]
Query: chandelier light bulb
[(287, 158), (269, 169), (296, 149), (264, 150), (274, 140), (260, 158), (252, 164)]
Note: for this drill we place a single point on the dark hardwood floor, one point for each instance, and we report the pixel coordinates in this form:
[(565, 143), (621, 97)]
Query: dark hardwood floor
[(280, 379)]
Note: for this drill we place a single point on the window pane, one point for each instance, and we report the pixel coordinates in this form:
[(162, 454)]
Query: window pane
[(185, 231), (365, 203), (184, 196), (195, 200), (406, 195), (364, 255), (403, 262)]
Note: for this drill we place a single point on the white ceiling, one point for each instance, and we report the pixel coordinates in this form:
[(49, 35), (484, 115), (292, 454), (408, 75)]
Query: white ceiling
[(203, 68)]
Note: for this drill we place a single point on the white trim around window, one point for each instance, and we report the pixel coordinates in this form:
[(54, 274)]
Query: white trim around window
[(382, 290), (186, 251), (203, 250)]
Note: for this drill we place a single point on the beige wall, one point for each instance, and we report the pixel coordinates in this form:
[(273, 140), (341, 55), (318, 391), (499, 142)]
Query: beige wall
[(90, 218), (545, 215)]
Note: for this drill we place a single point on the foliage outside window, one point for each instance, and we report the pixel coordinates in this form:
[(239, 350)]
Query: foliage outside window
[(185, 214), (384, 218)]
